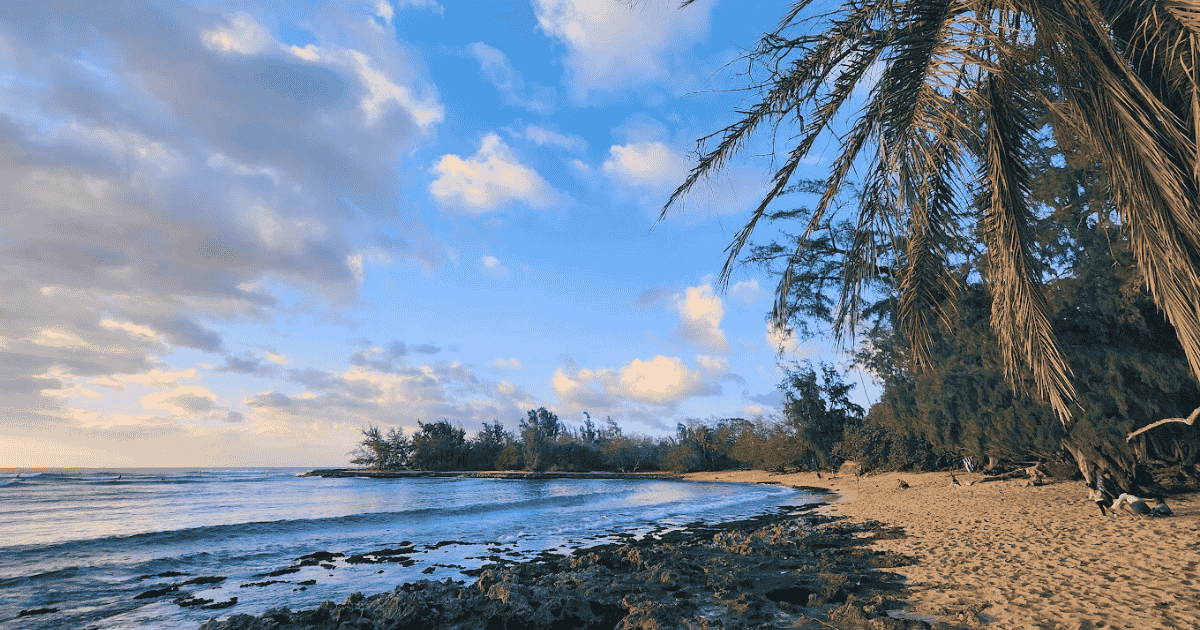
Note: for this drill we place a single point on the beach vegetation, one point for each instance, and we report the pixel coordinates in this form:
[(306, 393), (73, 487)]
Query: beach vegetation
[(390, 451), (1128, 364), (817, 413), (487, 449), (439, 446), (700, 446), (512, 457), (539, 435), (937, 105)]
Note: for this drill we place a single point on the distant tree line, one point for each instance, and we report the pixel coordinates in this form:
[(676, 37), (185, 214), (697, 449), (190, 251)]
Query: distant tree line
[(816, 416)]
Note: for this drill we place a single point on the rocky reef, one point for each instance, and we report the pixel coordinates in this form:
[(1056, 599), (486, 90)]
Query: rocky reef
[(795, 569)]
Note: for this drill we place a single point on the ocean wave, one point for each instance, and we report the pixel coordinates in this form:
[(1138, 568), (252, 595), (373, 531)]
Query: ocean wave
[(295, 526), (56, 574), (136, 478)]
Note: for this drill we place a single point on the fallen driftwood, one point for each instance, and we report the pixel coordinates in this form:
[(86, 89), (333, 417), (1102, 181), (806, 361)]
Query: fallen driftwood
[(1190, 420), (1033, 472)]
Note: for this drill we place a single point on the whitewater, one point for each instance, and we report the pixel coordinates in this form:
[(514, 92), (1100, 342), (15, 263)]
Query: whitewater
[(171, 548)]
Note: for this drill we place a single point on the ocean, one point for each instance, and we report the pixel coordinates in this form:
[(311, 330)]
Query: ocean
[(171, 548)]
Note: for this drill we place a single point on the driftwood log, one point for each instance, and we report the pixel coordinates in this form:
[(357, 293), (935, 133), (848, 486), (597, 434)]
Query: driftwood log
[(1033, 472), (1190, 420)]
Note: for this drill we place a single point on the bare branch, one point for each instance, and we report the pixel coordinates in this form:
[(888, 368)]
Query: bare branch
[(1190, 420)]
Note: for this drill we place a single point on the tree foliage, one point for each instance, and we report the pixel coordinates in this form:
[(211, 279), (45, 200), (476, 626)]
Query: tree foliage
[(951, 116), (383, 452), (818, 411), (539, 433), (439, 446), (547, 444), (1128, 364), (487, 447)]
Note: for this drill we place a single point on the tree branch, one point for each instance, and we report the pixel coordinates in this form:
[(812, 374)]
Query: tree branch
[(1190, 420)]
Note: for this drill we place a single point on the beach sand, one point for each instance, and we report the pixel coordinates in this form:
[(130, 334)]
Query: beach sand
[(1003, 555)]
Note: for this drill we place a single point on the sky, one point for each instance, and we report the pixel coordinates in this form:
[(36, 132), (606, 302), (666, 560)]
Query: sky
[(233, 234)]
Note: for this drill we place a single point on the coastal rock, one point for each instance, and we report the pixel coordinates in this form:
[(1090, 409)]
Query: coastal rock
[(157, 592), (207, 579), (777, 570)]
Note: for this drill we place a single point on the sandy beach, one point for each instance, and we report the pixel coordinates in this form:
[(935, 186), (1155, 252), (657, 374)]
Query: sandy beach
[(1004, 555)]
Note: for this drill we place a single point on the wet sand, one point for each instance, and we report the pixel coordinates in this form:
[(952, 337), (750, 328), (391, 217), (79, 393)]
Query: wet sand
[(1004, 555)]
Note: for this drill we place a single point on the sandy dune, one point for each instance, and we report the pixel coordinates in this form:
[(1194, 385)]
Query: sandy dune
[(1011, 556)]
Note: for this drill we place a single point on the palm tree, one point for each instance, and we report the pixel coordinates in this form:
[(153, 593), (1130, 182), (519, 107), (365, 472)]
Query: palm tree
[(952, 84)]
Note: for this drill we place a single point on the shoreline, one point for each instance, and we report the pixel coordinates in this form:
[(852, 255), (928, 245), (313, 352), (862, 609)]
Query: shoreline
[(791, 568), (1001, 554), (1005, 555), (483, 474)]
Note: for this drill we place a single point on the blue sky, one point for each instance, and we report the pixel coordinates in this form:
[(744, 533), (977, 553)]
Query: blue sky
[(237, 232)]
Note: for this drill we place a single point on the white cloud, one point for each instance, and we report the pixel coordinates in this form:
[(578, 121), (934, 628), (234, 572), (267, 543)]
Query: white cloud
[(241, 35), (109, 382), (183, 401), (489, 179), (647, 164), (275, 357), (785, 343), (753, 410), (384, 9), (438, 390), (700, 315), (659, 382), (133, 329), (59, 337), (513, 88), (613, 45), (66, 389), (382, 90), (747, 291), (221, 161), (355, 263), (431, 5), (308, 53), (493, 266), (278, 233), (426, 112), (157, 378), (713, 364), (508, 364), (544, 137)]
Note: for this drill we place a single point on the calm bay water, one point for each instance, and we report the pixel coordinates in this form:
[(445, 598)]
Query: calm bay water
[(89, 542)]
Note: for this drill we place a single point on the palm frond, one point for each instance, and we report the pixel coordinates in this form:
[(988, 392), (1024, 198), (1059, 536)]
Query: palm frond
[(1126, 83), (1148, 154), (1020, 312)]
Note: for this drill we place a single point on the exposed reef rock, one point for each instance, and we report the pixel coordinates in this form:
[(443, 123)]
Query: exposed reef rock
[(793, 570)]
